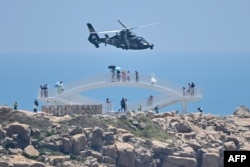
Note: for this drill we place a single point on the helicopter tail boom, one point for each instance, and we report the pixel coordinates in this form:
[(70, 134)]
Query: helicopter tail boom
[(93, 37)]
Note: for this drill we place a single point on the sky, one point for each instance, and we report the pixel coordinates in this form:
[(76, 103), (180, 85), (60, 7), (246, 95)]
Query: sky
[(59, 26)]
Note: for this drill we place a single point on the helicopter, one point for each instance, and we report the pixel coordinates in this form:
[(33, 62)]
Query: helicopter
[(124, 38)]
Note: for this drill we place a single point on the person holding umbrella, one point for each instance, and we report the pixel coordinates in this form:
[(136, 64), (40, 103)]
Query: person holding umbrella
[(112, 69)]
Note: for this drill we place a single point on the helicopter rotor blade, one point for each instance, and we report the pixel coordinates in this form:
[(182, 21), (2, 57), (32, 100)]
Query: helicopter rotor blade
[(107, 32), (147, 25), (123, 25)]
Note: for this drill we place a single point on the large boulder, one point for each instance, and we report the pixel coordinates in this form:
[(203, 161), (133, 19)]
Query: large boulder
[(110, 151), (31, 151), (126, 154), (144, 158), (20, 133), (183, 127), (22, 130), (66, 147), (210, 159), (97, 139), (109, 138), (79, 143), (179, 161)]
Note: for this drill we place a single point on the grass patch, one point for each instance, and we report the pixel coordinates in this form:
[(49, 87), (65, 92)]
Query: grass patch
[(151, 130), (47, 151)]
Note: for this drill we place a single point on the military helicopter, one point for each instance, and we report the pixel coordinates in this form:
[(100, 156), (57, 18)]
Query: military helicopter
[(124, 38)]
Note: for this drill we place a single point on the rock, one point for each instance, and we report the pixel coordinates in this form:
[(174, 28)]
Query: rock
[(37, 164), (167, 114), (79, 143), (3, 151), (22, 129), (108, 160), (35, 132), (31, 151), (194, 144), (21, 164), (15, 151), (230, 146), (142, 125), (187, 151), (91, 162), (233, 139), (109, 138), (150, 114), (110, 151), (183, 127), (210, 159), (96, 155), (97, 139), (180, 161), (1, 132), (126, 154), (242, 112), (54, 160), (67, 145), (190, 135), (76, 130), (162, 148), (144, 158), (127, 136), (4, 164)]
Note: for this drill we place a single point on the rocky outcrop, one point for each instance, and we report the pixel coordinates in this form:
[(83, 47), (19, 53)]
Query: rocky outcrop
[(79, 142), (20, 133), (242, 112), (126, 154), (191, 140)]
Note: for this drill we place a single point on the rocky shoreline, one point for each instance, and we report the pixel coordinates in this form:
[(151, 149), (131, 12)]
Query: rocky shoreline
[(142, 139)]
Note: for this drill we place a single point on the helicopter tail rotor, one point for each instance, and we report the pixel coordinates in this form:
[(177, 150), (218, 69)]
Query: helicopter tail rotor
[(93, 37)]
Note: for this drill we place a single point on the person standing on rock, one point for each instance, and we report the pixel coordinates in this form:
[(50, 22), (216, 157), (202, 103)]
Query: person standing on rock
[(35, 105), (123, 105), (15, 105)]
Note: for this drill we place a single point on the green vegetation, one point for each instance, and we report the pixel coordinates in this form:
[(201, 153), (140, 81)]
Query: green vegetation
[(9, 144), (149, 131), (47, 151)]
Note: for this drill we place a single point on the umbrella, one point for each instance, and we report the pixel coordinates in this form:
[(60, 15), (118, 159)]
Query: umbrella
[(112, 67), (118, 68)]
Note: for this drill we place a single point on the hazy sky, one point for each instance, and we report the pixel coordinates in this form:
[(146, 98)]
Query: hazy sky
[(59, 26)]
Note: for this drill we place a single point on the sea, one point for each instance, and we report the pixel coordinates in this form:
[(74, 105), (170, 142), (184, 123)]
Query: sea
[(223, 77)]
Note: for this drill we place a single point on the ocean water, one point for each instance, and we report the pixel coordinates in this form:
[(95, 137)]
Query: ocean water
[(223, 77)]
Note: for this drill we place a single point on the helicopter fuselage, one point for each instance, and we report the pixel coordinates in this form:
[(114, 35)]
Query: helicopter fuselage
[(124, 39)]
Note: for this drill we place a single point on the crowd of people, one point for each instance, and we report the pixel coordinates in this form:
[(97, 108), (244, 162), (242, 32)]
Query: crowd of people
[(189, 90), (122, 75)]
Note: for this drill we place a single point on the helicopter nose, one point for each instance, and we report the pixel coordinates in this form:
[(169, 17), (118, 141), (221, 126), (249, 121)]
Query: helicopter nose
[(151, 46)]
